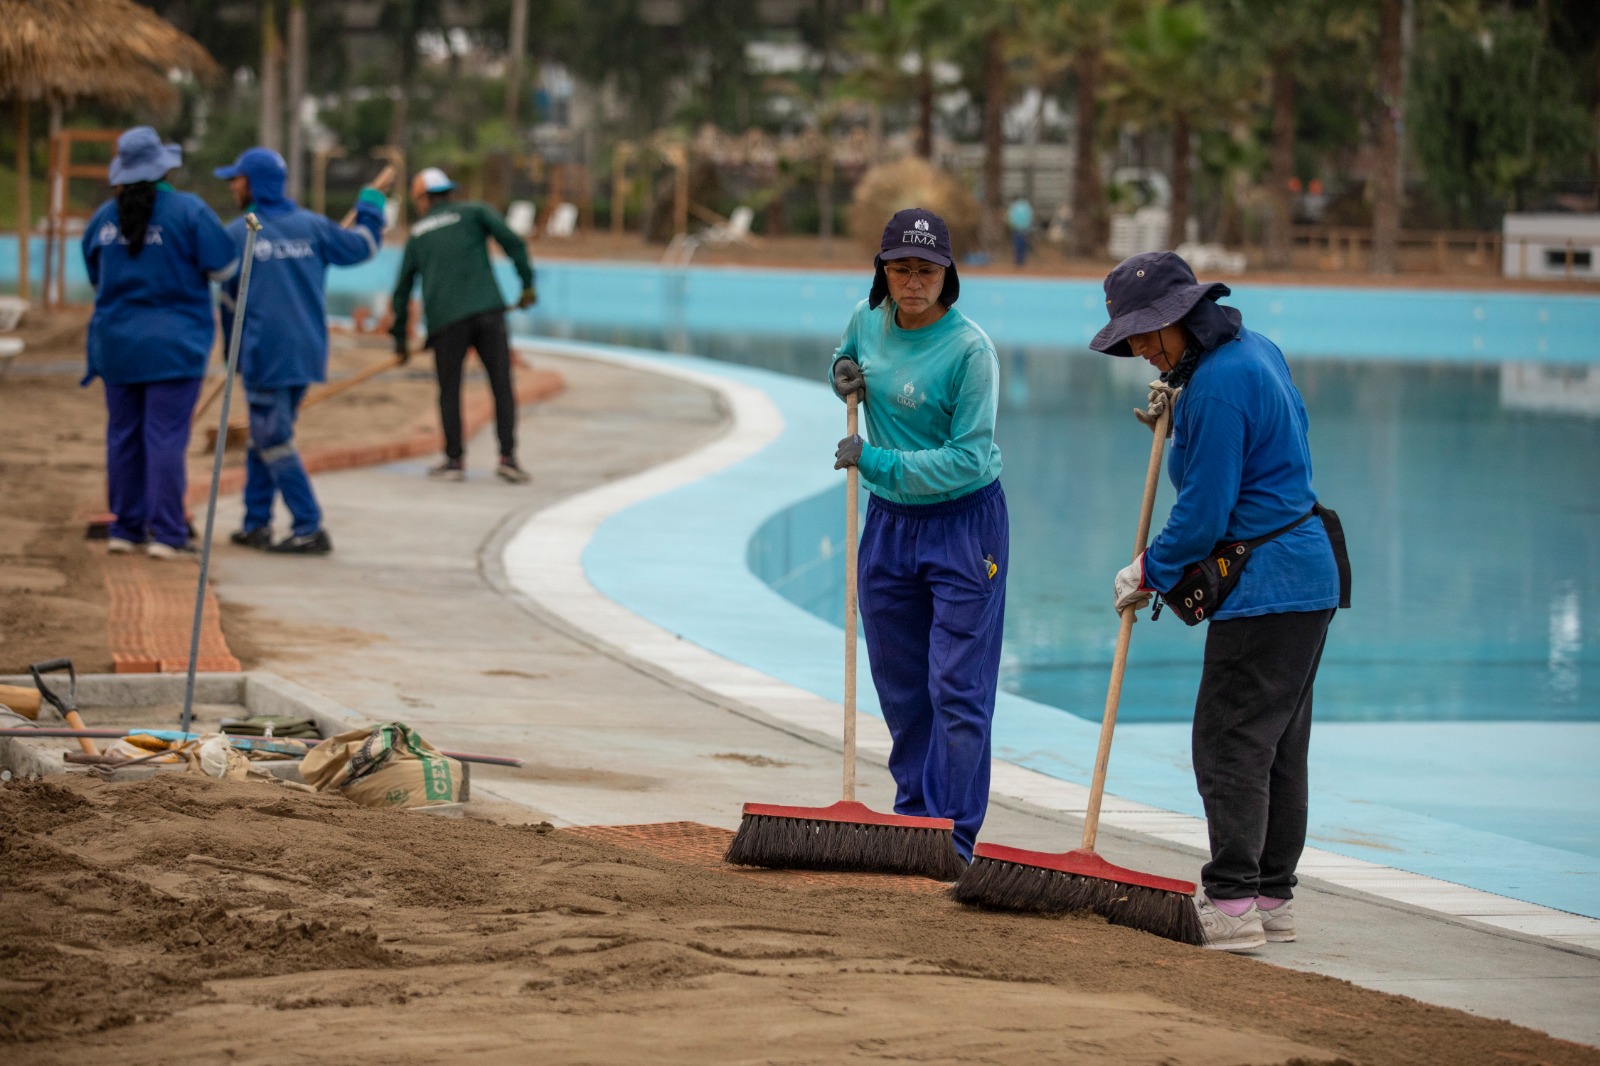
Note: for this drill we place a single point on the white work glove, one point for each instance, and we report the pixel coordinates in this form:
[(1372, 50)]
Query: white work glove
[(1162, 397), (1129, 587)]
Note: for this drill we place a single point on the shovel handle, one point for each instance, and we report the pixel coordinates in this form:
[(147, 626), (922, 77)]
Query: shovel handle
[(1119, 659)]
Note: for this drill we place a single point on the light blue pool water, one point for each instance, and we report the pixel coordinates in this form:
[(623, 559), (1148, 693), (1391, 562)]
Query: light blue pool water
[(1457, 433)]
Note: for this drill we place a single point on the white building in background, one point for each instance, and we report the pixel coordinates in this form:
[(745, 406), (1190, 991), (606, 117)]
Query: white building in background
[(1556, 245)]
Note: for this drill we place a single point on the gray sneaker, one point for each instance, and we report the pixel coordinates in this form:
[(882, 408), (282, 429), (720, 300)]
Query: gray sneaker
[(1227, 933), (1278, 923)]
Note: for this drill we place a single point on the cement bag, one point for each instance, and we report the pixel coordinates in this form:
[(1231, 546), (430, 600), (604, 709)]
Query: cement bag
[(389, 766)]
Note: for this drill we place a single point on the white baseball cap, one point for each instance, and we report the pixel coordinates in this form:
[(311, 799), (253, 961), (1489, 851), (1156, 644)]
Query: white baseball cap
[(432, 179)]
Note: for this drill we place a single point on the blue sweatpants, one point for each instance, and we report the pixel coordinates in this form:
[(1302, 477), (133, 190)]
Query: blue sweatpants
[(273, 467), (933, 600), (147, 436)]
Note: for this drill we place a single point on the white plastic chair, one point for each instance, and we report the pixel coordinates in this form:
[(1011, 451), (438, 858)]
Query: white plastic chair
[(12, 308), (563, 221), (520, 217), (737, 228)]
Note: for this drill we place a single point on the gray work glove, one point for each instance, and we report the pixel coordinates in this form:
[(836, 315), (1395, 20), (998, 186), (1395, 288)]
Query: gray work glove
[(849, 452), (1162, 397), (847, 378)]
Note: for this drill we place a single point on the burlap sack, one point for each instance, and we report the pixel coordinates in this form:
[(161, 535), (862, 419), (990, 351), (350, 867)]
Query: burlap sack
[(389, 766)]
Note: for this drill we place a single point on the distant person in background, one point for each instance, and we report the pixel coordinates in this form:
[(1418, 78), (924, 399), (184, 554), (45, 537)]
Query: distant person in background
[(151, 253), (1019, 216), (284, 346), (463, 307)]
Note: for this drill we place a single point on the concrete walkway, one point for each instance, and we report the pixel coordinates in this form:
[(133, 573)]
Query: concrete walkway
[(410, 619)]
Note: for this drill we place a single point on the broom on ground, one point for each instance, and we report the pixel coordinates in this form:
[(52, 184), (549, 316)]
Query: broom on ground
[(846, 836), (1014, 879)]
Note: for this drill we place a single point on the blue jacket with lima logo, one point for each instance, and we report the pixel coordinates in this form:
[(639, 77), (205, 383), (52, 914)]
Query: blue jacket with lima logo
[(285, 341)]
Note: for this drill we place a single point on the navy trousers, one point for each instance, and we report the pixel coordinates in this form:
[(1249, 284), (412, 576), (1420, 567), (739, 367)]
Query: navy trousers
[(273, 467), (147, 436), (933, 599)]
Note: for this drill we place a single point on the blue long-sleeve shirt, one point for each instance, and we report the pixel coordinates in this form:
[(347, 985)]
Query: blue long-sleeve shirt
[(932, 396), (1241, 462), (285, 339), (152, 312)]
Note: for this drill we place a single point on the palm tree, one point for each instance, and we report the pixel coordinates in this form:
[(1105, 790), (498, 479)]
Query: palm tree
[(995, 28), (1077, 35), (1176, 74), (1287, 36), (923, 31)]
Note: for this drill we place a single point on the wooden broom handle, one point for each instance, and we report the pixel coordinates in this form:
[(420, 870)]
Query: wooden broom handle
[(1119, 660), (852, 517)]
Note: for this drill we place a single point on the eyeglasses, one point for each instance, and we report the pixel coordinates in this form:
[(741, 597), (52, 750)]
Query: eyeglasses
[(925, 275)]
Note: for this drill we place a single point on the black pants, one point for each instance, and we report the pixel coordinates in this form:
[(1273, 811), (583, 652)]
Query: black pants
[(485, 334), (1252, 730)]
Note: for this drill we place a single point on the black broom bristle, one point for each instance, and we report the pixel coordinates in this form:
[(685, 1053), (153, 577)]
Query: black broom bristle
[(1011, 886), (849, 847)]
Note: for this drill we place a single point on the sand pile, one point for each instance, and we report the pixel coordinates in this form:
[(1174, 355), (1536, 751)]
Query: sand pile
[(181, 919)]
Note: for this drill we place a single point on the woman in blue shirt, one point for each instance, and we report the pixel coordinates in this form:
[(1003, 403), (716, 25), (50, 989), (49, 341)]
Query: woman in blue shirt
[(1241, 462), (151, 253), (935, 548)]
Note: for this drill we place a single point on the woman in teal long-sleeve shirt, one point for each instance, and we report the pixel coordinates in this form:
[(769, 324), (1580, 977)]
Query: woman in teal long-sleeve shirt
[(935, 550)]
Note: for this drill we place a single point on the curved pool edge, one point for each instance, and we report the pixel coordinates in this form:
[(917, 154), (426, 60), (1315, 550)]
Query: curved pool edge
[(615, 562)]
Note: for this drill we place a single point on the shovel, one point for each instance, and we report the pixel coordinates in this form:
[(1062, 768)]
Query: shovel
[(66, 706)]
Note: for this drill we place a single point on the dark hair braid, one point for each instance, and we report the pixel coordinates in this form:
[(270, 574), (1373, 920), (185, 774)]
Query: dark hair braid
[(136, 202)]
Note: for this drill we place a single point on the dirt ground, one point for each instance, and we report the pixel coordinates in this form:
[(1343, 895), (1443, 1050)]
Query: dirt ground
[(186, 920), (52, 476)]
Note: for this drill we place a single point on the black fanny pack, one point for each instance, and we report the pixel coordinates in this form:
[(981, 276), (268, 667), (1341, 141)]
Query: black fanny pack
[(1205, 585)]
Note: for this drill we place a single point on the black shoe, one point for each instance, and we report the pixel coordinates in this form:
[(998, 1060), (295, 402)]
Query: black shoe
[(318, 543), (508, 470), (259, 538), (449, 470)]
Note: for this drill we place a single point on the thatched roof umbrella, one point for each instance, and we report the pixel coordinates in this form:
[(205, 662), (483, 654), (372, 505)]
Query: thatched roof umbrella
[(110, 50)]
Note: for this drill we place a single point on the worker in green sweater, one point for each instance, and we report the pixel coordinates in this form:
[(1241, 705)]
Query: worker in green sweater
[(463, 307)]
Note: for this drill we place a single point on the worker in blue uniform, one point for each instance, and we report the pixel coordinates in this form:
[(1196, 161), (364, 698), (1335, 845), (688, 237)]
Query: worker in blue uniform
[(1240, 460), (151, 254), (935, 548), (284, 346)]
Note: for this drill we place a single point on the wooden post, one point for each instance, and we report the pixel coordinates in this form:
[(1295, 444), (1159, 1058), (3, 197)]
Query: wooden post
[(1438, 252), (619, 186), (680, 196), (24, 208)]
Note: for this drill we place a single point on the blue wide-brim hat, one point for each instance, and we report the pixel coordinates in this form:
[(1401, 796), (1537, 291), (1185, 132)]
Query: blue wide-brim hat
[(142, 157), (1147, 292)]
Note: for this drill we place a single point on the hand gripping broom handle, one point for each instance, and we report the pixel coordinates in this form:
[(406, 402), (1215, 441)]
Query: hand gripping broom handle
[(247, 260), (1119, 661), (852, 517)]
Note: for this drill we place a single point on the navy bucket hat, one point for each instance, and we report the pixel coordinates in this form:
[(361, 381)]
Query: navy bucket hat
[(1147, 292), (142, 157), (915, 233)]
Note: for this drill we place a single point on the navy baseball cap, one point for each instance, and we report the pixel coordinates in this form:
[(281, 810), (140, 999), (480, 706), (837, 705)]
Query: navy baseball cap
[(1147, 292), (917, 233)]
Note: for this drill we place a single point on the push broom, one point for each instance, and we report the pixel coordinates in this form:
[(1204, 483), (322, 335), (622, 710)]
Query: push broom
[(848, 835), (1014, 879)]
